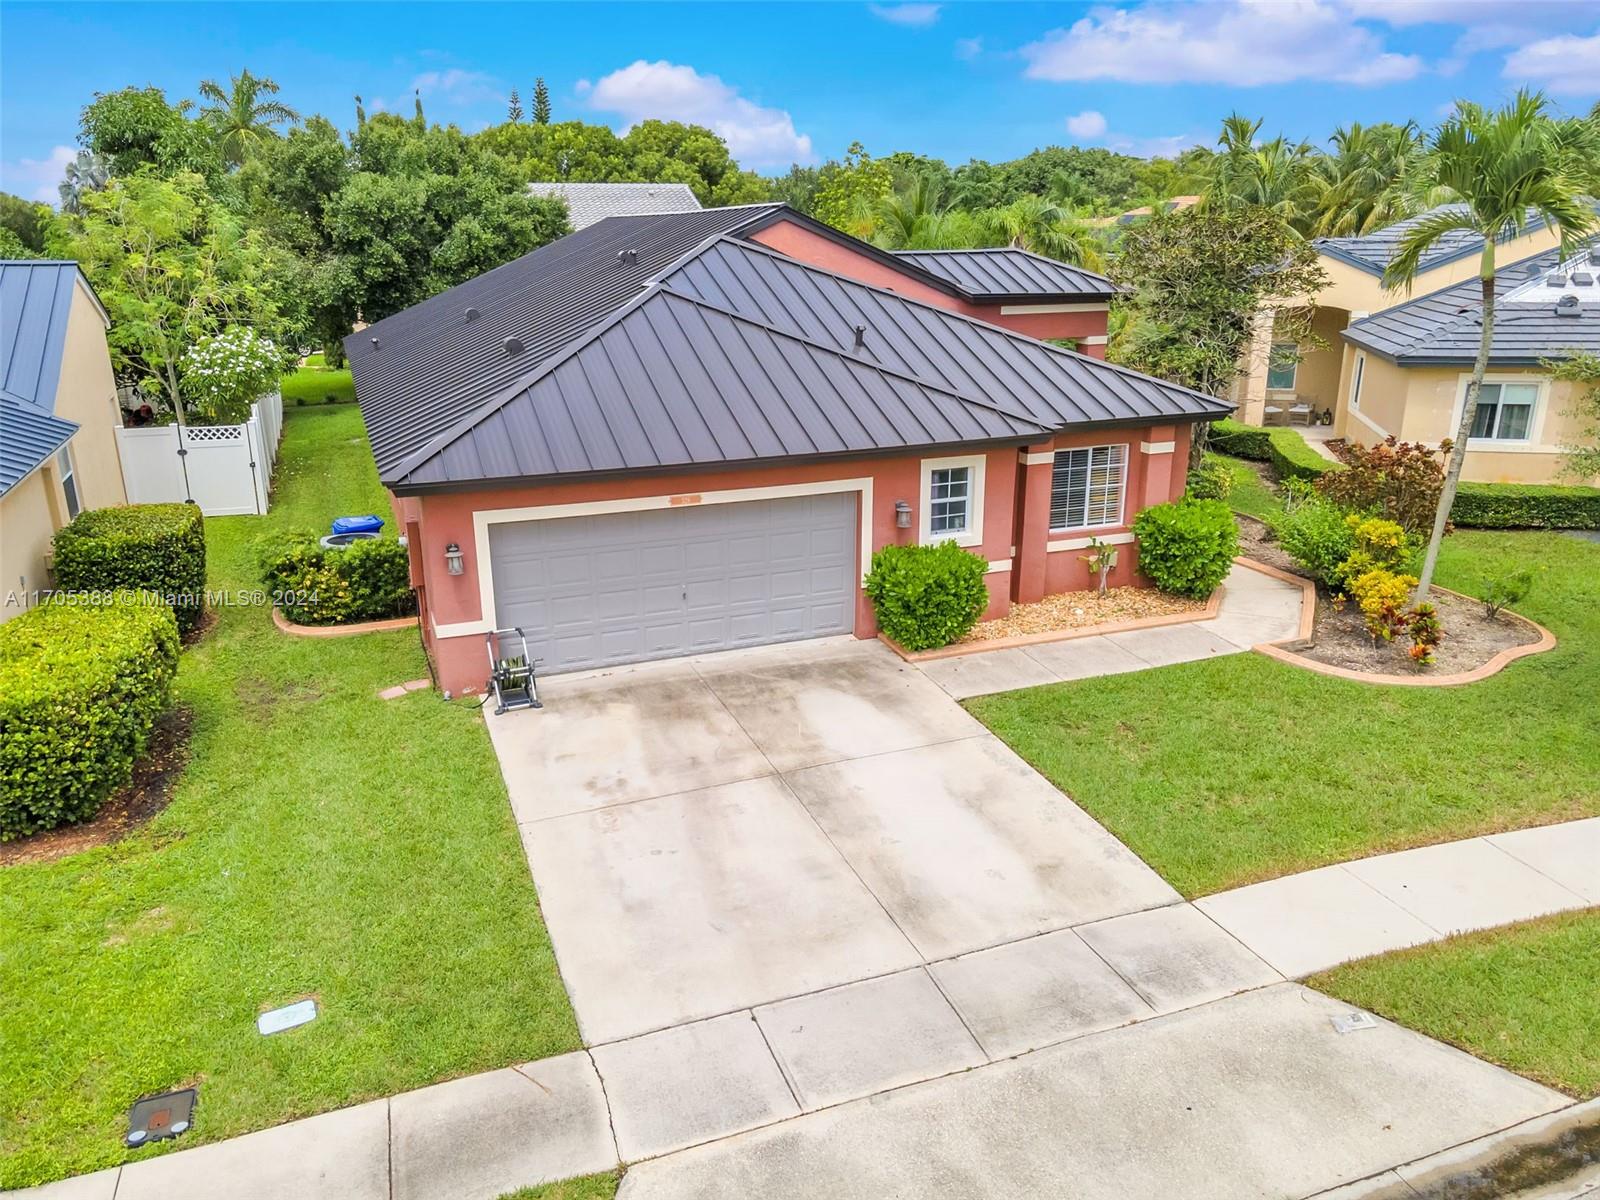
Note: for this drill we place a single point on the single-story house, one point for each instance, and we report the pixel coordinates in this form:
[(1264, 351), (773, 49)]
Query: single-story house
[(673, 434), (1279, 378), (58, 418), (1409, 367), (590, 202)]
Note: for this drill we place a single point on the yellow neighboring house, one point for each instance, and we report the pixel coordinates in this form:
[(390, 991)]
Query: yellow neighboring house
[(58, 418), (1391, 360)]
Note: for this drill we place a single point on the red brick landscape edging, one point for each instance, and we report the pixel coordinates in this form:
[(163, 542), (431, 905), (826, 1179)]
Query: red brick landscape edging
[(957, 649), (331, 631)]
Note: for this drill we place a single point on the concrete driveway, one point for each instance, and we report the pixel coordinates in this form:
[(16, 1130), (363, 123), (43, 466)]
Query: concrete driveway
[(710, 835)]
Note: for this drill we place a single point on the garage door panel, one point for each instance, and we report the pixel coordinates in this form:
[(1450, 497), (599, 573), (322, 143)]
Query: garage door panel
[(621, 587)]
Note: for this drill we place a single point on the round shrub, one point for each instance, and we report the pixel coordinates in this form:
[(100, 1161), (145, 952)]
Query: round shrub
[(1315, 533), (1210, 481), (81, 683), (1187, 547), (158, 548), (927, 596), (367, 581)]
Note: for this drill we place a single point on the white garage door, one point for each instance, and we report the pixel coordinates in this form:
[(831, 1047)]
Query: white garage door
[(624, 587)]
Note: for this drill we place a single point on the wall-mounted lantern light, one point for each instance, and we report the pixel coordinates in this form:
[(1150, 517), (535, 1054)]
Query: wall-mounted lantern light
[(902, 515), (452, 559)]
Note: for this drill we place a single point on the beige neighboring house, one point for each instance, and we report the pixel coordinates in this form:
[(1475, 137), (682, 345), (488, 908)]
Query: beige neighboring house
[(1374, 382), (58, 418)]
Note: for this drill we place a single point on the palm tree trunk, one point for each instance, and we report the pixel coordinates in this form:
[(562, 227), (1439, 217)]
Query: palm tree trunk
[(1458, 452)]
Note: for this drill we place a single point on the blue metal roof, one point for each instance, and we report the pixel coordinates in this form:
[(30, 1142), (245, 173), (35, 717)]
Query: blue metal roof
[(35, 301), (28, 437)]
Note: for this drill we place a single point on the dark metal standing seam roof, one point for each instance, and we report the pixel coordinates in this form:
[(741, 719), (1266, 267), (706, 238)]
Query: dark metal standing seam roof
[(672, 382), (28, 437), (1445, 327), (1008, 273), (433, 365), (1372, 252)]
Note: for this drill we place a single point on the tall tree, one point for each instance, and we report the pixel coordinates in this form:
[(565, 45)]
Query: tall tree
[(244, 115), (25, 219), (514, 107), (849, 192), (1368, 181), (1507, 170), (541, 102), (87, 172), (1274, 175), (136, 127)]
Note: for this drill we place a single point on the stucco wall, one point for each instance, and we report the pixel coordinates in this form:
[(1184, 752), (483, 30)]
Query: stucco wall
[(802, 244), (27, 522), (1418, 404), (87, 393)]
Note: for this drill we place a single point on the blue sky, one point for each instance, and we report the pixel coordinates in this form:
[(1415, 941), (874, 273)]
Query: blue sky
[(787, 82)]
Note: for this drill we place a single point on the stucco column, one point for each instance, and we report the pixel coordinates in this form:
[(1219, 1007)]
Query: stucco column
[(1251, 390), (1157, 448), (1033, 523), (1093, 346)]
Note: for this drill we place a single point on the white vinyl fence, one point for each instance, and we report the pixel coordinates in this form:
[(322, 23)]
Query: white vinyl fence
[(225, 469)]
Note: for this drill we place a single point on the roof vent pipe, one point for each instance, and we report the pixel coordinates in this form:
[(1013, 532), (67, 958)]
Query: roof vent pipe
[(472, 314), (374, 343), (861, 337), (1568, 306), (628, 258), (514, 345)]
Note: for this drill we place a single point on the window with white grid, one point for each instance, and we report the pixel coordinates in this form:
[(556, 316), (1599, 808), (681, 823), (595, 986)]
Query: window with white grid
[(1086, 487), (949, 500)]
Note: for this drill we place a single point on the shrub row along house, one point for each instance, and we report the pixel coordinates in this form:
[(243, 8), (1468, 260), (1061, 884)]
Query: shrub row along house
[(685, 432), (1389, 362)]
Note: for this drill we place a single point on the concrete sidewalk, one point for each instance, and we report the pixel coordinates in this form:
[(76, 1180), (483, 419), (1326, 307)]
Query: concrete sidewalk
[(1254, 608)]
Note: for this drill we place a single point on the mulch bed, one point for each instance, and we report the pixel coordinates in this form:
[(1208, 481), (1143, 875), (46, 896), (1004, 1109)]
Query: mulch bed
[(1256, 541), (1470, 639), (1080, 610), (132, 805)]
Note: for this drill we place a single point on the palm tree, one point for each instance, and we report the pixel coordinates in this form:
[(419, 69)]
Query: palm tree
[(1274, 175), (1506, 170), (86, 173), (1368, 181), (242, 118), (906, 219), (1034, 223)]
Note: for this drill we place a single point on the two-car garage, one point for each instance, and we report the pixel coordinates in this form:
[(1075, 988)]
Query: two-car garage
[(614, 587)]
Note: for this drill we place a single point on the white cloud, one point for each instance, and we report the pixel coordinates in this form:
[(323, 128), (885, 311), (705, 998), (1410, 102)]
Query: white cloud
[(456, 86), (37, 178), (969, 47), (1160, 146), (1087, 124), (671, 92), (906, 14), (1567, 64), (1239, 42)]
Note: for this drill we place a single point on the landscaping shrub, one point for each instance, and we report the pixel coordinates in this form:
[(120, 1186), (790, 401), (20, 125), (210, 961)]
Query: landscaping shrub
[(1504, 590), (82, 680), (1526, 506), (927, 596), (1400, 480), (158, 548), (1187, 547), (1228, 436), (1379, 543), (1281, 446), (367, 581), (1315, 533), (1382, 596), (1210, 481)]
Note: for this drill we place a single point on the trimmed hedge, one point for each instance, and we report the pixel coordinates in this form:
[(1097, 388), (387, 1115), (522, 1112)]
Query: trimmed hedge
[(1526, 506), (158, 548), (1187, 547), (927, 596), (369, 580), (81, 684), (1281, 446)]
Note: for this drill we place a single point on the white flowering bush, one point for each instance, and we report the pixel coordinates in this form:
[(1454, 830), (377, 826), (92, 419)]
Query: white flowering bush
[(223, 375)]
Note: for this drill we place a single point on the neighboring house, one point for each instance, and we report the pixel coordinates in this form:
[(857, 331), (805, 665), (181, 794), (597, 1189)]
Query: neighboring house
[(1314, 378), (590, 202), (1410, 365), (58, 418), (1171, 205), (674, 434)]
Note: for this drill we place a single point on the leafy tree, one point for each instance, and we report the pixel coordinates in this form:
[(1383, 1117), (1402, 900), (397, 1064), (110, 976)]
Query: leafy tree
[(289, 184), (514, 108), (849, 192), (25, 220), (1581, 459), (1198, 277), (11, 246), (136, 127), (242, 116), (797, 188), (672, 152), (570, 150), (171, 265), (1507, 168), (88, 172), (541, 102)]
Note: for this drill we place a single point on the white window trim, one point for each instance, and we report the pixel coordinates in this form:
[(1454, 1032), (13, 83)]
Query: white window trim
[(1293, 383), (974, 533), (1535, 422), (1360, 376), (64, 455), (482, 519), (1122, 497)]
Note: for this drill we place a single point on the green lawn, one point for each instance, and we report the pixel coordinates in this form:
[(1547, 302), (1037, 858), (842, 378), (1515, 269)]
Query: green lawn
[(315, 385), (322, 842), (1250, 495), (585, 1187), (1236, 769), (1526, 997)]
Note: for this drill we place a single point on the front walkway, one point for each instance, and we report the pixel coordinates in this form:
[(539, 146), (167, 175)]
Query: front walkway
[(1255, 608)]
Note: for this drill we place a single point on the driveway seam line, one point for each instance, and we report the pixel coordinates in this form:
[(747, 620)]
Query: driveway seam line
[(1237, 940), (605, 1096), (1126, 982), (1376, 890), (583, 812), (1584, 901), (776, 1061), (927, 969), (388, 1131)]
